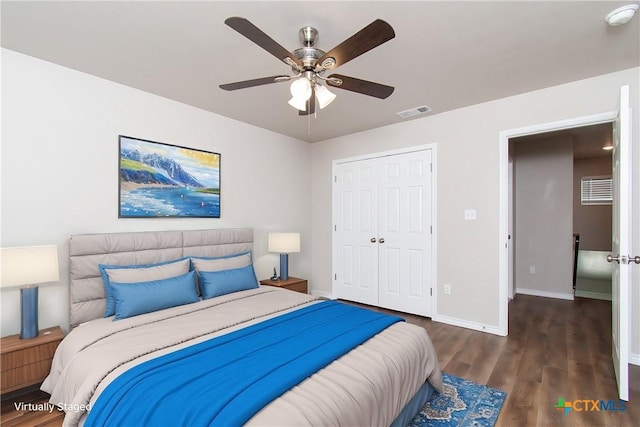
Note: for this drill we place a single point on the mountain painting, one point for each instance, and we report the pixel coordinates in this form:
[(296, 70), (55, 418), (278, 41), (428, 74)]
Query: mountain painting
[(162, 180)]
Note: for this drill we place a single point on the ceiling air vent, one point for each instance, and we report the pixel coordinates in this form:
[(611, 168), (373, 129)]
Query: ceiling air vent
[(415, 111)]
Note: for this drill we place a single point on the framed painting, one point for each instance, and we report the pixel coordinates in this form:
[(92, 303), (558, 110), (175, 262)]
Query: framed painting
[(163, 180)]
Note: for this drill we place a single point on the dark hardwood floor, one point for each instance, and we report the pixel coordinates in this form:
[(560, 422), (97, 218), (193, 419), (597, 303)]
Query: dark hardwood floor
[(555, 349), (11, 416)]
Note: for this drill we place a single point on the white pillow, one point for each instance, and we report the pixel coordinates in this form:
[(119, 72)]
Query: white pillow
[(146, 274), (219, 264)]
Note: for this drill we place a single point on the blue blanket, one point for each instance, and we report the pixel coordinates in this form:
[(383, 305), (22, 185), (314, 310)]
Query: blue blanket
[(226, 380)]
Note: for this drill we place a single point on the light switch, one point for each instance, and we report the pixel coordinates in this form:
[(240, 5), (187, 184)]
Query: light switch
[(470, 214)]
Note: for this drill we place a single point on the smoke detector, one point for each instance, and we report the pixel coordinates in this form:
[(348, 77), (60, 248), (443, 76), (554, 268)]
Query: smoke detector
[(621, 15)]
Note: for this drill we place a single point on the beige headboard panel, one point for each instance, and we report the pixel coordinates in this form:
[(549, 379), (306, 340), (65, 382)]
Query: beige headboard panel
[(86, 251)]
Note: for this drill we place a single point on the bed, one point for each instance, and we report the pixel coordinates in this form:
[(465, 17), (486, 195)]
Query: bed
[(186, 364)]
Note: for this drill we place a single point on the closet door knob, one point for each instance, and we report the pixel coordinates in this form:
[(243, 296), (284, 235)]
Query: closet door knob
[(373, 240), (613, 259), (381, 240), (635, 259)]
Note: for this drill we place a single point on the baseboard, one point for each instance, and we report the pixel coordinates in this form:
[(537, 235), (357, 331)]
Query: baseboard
[(322, 294), (634, 359), (437, 318), (593, 295), (466, 324), (546, 294)]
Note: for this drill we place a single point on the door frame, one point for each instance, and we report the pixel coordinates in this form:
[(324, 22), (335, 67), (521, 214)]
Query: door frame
[(503, 197), (510, 231), (434, 218)]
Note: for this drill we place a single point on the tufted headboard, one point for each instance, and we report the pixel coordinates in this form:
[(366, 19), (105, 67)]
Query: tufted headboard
[(86, 289)]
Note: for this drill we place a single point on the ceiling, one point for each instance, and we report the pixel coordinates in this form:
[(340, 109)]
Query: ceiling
[(446, 55), (587, 140)]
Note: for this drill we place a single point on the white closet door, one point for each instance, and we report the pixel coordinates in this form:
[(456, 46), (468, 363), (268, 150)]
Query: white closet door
[(356, 223), (404, 233)]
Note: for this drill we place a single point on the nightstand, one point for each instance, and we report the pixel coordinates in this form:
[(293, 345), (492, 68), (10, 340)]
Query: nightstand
[(292, 283), (27, 362)]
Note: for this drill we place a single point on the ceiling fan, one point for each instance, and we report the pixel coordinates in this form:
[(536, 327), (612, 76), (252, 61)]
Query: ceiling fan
[(310, 63)]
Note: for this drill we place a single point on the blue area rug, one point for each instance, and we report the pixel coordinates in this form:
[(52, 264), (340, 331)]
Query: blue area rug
[(462, 403)]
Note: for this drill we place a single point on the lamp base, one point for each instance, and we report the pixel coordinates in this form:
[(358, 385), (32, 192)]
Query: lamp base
[(29, 313), (284, 266)]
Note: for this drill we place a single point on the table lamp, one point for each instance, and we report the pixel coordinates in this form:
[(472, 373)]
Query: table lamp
[(284, 244), (27, 267)]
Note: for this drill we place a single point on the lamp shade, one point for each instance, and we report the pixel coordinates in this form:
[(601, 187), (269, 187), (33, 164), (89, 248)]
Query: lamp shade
[(284, 243), (298, 103), (324, 96), (29, 265), (300, 93), (301, 88)]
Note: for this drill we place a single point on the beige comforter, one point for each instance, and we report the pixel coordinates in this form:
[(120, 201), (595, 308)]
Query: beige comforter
[(368, 386)]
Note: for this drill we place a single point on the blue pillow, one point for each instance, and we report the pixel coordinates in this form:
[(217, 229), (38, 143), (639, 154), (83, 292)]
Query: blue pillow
[(226, 262), (140, 273), (216, 283), (132, 299)]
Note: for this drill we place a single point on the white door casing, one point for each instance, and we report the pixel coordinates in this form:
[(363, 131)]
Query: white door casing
[(620, 245), (511, 236)]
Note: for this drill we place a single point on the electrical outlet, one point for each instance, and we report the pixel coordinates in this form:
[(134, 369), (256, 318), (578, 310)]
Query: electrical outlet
[(447, 289), (532, 269)]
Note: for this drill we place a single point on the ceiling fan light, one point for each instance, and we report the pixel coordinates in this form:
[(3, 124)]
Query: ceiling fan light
[(324, 96), (301, 88), (298, 103)]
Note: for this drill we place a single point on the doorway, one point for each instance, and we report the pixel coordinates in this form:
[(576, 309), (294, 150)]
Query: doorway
[(621, 197), (504, 211), (550, 220)]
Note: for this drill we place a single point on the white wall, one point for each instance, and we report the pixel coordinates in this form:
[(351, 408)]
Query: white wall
[(59, 170), (468, 163), (59, 176), (544, 217)]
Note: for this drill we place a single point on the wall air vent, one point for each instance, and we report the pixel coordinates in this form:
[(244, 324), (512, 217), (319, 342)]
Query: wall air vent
[(415, 111)]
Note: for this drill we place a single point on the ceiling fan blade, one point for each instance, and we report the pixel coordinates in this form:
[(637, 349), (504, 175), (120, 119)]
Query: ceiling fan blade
[(250, 83), (361, 86), (311, 105), (373, 35), (256, 35)]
